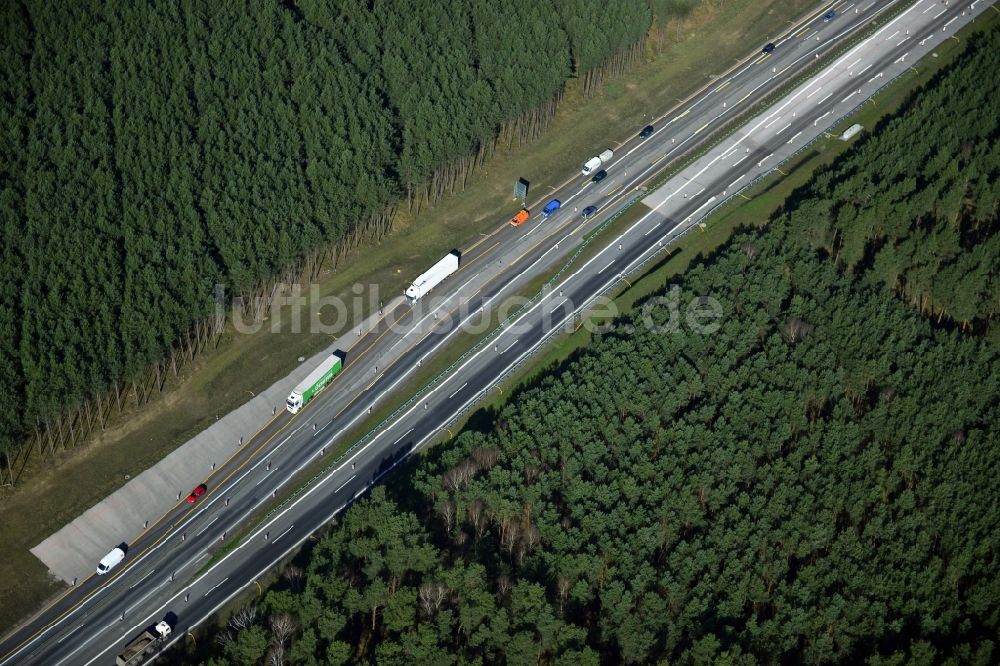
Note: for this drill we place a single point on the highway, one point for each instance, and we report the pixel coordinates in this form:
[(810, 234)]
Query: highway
[(97, 617)]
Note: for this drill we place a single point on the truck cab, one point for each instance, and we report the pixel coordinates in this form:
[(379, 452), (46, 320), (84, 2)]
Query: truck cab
[(520, 218)]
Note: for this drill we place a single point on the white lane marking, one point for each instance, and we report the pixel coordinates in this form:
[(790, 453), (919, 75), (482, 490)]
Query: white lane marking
[(207, 525), (398, 439), (275, 539), (794, 137), (606, 267), (772, 122), (69, 633), (736, 181), (824, 99), (710, 200), (953, 19), (457, 390), (782, 129), (508, 347), (814, 92), (652, 229), (341, 486), (939, 13), (222, 581), (132, 586), (740, 160), (865, 42)]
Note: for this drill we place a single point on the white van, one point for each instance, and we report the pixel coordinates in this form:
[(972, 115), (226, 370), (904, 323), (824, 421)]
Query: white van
[(110, 561), (592, 163)]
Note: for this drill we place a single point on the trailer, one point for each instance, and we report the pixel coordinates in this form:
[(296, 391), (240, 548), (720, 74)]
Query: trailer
[(433, 276), (143, 645), (314, 383)]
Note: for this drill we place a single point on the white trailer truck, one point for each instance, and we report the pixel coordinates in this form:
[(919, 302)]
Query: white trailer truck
[(433, 277), (143, 645), (314, 383)]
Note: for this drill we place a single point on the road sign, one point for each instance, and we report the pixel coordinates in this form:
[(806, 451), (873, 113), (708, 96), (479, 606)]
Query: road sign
[(521, 189)]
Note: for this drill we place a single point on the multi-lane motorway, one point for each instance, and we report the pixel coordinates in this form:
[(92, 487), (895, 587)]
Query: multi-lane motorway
[(91, 622)]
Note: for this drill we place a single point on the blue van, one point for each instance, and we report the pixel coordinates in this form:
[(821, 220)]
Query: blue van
[(551, 207)]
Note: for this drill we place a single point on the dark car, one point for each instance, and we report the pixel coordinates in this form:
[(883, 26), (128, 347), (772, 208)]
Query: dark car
[(829, 16), (767, 48), (588, 211), (647, 131), (599, 176), (196, 493)]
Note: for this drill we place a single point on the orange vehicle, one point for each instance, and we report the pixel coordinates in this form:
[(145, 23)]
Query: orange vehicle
[(520, 218)]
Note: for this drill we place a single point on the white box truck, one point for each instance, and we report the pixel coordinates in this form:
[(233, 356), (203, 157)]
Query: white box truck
[(594, 163), (314, 383), (433, 277)]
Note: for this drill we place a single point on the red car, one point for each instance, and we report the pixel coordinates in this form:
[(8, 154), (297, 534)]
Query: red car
[(196, 493)]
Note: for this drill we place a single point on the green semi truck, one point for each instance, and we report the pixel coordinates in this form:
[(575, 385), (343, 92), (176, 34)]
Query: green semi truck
[(314, 383)]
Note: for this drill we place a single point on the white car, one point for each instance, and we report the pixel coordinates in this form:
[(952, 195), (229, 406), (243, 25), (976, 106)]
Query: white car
[(110, 561)]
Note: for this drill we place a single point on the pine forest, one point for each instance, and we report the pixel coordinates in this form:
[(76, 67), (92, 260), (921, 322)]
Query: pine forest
[(155, 150)]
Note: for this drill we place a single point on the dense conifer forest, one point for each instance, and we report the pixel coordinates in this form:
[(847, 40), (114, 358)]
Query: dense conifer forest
[(814, 482), (154, 150)]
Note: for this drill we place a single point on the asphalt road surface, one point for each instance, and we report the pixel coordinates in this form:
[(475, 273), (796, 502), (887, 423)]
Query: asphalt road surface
[(97, 617)]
